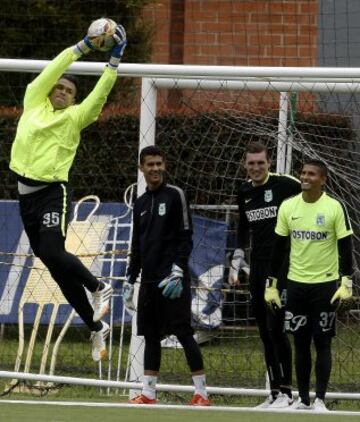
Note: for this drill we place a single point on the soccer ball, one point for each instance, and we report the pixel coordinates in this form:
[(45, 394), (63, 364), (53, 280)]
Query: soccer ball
[(101, 33)]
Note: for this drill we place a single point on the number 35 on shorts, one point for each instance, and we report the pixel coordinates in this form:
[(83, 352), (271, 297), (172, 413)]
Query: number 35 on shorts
[(51, 219)]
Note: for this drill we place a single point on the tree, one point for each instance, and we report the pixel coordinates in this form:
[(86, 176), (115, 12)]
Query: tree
[(39, 29)]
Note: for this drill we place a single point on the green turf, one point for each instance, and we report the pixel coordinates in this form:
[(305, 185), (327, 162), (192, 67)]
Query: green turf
[(36, 413), (232, 359)]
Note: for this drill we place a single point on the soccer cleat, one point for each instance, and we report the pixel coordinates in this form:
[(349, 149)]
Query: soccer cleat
[(199, 400), (267, 403), (299, 405), (101, 302), (141, 399), (282, 401), (98, 339), (319, 405)]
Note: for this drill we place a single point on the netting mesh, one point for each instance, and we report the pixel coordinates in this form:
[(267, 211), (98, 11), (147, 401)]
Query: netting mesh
[(203, 134), (205, 144)]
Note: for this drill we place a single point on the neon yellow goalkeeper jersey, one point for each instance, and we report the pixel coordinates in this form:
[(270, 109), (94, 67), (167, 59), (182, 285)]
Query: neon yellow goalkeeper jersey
[(314, 229), (46, 139)]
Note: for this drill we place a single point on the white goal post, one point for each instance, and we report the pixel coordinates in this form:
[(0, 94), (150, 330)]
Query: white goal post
[(283, 81)]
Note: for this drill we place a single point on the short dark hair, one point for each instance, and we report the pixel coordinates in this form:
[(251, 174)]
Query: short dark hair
[(255, 148), (150, 150), (319, 164), (73, 79)]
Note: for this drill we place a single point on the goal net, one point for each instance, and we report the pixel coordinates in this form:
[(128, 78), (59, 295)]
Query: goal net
[(204, 126), (204, 132)]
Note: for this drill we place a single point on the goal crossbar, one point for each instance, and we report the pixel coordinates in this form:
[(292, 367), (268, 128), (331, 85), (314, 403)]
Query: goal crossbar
[(337, 74)]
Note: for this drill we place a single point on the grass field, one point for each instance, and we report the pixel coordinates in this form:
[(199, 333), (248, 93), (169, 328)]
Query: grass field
[(232, 359), (34, 413)]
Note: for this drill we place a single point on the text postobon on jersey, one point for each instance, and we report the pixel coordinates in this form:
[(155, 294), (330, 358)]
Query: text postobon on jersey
[(261, 213), (308, 235)]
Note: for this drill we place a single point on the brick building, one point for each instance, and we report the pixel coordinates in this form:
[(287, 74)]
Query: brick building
[(235, 32)]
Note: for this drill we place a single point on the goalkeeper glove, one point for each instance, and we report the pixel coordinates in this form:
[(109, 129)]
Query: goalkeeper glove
[(93, 36), (128, 295), (119, 48), (272, 297), (84, 46), (238, 263), (344, 292), (172, 284)]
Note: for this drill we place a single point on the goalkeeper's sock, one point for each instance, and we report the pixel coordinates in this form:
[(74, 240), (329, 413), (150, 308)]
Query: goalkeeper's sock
[(149, 383), (200, 385)]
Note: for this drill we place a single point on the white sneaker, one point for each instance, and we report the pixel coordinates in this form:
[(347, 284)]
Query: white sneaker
[(101, 302), (267, 403), (282, 401), (299, 405), (319, 405), (98, 339)]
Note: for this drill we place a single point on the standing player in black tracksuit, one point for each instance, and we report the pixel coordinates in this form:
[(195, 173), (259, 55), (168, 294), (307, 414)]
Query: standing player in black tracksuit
[(258, 201), (160, 247)]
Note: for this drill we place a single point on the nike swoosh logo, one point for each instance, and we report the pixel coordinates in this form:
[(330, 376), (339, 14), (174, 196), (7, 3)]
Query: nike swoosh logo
[(143, 213), (247, 200), (295, 218)]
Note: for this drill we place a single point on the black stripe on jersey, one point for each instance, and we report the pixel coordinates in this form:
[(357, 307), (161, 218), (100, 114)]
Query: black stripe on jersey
[(345, 211)]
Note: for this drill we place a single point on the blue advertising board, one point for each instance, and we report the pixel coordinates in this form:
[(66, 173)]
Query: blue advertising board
[(209, 252)]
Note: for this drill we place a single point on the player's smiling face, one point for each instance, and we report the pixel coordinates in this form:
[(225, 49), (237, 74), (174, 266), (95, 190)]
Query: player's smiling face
[(153, 169), (257, 166), (311, 178)]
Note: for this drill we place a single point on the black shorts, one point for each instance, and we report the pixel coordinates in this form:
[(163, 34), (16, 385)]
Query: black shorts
[(46, 209), (158, 316), (308, 308)]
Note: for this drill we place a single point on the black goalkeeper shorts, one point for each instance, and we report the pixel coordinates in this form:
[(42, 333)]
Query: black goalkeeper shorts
[(308, 308), (49, 208), (158, 316)]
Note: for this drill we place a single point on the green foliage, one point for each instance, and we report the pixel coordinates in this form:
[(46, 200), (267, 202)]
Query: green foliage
[(201, 157), (40, 29)]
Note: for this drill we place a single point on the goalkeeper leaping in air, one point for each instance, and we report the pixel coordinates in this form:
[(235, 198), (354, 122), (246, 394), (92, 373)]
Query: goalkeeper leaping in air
[(47, 138)]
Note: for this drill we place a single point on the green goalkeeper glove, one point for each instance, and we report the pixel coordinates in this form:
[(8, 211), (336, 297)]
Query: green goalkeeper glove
[(272, 297), (344, 292)]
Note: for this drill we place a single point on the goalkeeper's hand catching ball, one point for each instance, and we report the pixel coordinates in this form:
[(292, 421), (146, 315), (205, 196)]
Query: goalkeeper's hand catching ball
[(119, 48)]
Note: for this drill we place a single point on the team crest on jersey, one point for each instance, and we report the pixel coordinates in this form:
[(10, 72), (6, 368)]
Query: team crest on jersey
[(320, 220), (162, 209), (268, 195)]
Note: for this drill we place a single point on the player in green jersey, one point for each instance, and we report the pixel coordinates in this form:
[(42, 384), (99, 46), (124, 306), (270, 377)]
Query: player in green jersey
[(47, 138), (320, 256)]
